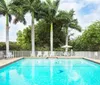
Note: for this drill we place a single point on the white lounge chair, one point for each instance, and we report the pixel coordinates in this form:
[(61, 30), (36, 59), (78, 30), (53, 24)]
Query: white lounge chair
[(39, 54), (45, 54), (10, 55), (65, 53), (53, 54), (1, 55)]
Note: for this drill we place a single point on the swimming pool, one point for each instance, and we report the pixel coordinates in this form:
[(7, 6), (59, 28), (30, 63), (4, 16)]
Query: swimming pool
[(51, 72)]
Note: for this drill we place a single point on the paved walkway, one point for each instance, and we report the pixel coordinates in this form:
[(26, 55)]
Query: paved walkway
[(58, 57), (94, 60), (4, 62)]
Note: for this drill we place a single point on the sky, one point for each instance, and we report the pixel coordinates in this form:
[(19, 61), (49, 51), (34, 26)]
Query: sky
[(86, 11)]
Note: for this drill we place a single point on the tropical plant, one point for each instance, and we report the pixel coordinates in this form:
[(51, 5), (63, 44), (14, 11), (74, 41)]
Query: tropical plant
[(32, 7), (68, 22), (13, 46), (49, 12), (42, 37), (89, 40), (18, 11), (5, 10), (24, 38)]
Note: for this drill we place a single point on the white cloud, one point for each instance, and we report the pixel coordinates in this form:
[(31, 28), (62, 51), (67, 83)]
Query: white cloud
[(77, 5), (86, 19), (2, 29), (13, 28), (19, 26), (92, 1)]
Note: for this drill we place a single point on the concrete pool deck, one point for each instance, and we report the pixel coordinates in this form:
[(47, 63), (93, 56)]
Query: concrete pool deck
[(93, 60), (57, 57), (4, 62)]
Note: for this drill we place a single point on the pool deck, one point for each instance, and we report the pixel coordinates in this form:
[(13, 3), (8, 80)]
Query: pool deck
[(93, 60), (57, 57), (4, 62)]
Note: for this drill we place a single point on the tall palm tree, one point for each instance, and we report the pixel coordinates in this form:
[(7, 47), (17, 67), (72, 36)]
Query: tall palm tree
[(6, 11), (32, 7), (7, 8), (49, 13), (18, 11), (68, 22)]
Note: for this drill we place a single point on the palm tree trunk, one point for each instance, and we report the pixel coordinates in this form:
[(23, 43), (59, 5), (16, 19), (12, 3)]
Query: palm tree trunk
[(66, 39), (33, 37), (51, 39), (7, 35)]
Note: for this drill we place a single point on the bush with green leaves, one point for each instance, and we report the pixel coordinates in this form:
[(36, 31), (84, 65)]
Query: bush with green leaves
[(89, 40)]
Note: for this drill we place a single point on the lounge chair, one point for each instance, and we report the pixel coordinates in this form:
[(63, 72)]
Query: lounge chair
[(39, 54), (52, 54), (10, 55), (1, 55), (45, 54), (65, 53)]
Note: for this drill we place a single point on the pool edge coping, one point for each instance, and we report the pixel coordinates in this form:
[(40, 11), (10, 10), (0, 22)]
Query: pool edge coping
[(93, 60), (90, 59), (68, 57)]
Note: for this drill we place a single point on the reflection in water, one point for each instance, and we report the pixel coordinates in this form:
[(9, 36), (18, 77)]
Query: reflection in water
[(50, 72)]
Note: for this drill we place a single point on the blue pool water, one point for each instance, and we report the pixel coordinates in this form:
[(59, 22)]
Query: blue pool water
[(51, 72)]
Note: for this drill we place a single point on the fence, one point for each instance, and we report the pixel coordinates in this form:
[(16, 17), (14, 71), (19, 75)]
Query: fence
[(89, 54), (37, 53)]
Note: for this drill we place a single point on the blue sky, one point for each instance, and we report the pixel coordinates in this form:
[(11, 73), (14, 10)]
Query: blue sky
[(86, 11)]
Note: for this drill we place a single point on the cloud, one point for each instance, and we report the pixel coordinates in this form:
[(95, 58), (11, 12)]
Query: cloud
[(2, 28), (92, 1), (19, 26), (13, 28), (86, 11), (90, 18)]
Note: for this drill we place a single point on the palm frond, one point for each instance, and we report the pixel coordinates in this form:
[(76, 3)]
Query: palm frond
[(3, 7), (18, 10), (56, 5), (49, 10), (75, 26), (20, 15), (71, 12)]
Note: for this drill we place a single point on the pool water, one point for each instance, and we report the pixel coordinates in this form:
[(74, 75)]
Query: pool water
[(51, 72)]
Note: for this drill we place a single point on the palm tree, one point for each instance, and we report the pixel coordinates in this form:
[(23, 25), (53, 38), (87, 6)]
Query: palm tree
[(49, 14), (32, 7), (19, 13), (68, 22), (7, 8), (6, 11)]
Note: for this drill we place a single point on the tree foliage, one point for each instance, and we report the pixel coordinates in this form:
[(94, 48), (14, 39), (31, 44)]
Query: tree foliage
[(13, 46), (48, 12), (89, 40), (42, 37), (68, 20), (24, 38)]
